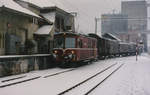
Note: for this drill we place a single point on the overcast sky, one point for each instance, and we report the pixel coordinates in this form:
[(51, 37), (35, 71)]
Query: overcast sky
[(89, 9)]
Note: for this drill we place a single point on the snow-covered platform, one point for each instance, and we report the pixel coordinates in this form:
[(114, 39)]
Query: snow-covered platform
[(132, 78)]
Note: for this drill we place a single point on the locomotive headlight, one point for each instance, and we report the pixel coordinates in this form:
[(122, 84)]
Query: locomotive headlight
[(55, 51), (72, 52)]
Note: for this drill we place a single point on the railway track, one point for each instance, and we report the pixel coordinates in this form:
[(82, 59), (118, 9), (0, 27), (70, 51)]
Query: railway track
[(85, 82), (59, 73), (22, 79), (11, 79), (27, 78), (18, 82)]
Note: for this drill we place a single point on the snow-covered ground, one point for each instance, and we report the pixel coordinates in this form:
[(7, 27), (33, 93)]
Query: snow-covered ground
[(132, 79)]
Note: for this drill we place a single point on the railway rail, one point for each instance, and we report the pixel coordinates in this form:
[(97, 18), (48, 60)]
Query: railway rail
[(59, 73), (9, 82), (15, 78), (90, 78), (14, 83), (27, 78)]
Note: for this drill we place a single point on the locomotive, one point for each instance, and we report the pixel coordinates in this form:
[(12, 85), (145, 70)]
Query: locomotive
[(71, 49)]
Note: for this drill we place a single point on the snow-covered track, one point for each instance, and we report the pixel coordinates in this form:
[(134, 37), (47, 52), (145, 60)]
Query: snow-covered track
[(18, 82), (29, 77), (59, 73), (90, 78), (103, 80), (11, 79)]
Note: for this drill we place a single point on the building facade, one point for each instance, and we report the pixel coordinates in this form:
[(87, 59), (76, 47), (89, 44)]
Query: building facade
[(114, 23), (16, 27), (137, 20), (56, 19)]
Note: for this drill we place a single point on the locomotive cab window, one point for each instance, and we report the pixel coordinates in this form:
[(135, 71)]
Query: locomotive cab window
[(59, 43), (69, 42)]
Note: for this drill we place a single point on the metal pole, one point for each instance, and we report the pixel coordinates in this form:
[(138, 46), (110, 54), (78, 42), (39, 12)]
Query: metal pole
[(95, 25), (136, 50)]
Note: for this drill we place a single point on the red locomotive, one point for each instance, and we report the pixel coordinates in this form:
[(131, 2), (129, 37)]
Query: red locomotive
[(71, 49)]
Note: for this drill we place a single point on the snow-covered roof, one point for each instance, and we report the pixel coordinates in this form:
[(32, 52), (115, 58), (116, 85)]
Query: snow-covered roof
[(112, 36), (10, 4), (49, 16), (44, 30), (22, 56), (47, 4)]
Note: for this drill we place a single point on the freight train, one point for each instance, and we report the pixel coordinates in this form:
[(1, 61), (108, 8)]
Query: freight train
[(113, 48), (71, 49)]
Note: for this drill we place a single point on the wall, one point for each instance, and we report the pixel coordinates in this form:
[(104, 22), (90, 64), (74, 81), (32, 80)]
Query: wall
[(1, 34), (16, 65), (17, 25)]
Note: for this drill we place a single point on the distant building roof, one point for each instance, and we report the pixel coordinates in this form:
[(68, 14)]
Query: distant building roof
[(10, 4), (111, 36), (47, 4)]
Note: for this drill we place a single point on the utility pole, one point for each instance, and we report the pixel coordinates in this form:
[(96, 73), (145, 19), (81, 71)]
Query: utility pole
[(95, 25), (96, 21), (136, 50)]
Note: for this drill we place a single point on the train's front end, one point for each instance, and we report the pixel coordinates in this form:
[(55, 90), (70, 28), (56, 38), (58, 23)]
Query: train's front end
[(64, 51)]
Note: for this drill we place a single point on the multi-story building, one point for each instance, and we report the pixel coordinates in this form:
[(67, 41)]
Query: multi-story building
[(31, 22), (137, 20), (57, 17), (114, 23)]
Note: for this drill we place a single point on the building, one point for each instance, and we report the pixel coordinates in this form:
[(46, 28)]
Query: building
[(137, 20), (53, 11), (57, 16), (114, 23), (17, 25)]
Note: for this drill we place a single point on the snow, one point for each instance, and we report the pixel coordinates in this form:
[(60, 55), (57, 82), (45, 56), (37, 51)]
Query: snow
[(113, 36), (47, 3), (44, 30), (49, 16), (14, 6), (18, 56), (83, 89), (54, 85), (31, 75), (132, 79)]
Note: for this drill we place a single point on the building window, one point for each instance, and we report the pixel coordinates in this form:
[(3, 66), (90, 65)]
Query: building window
[(35, 21)]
